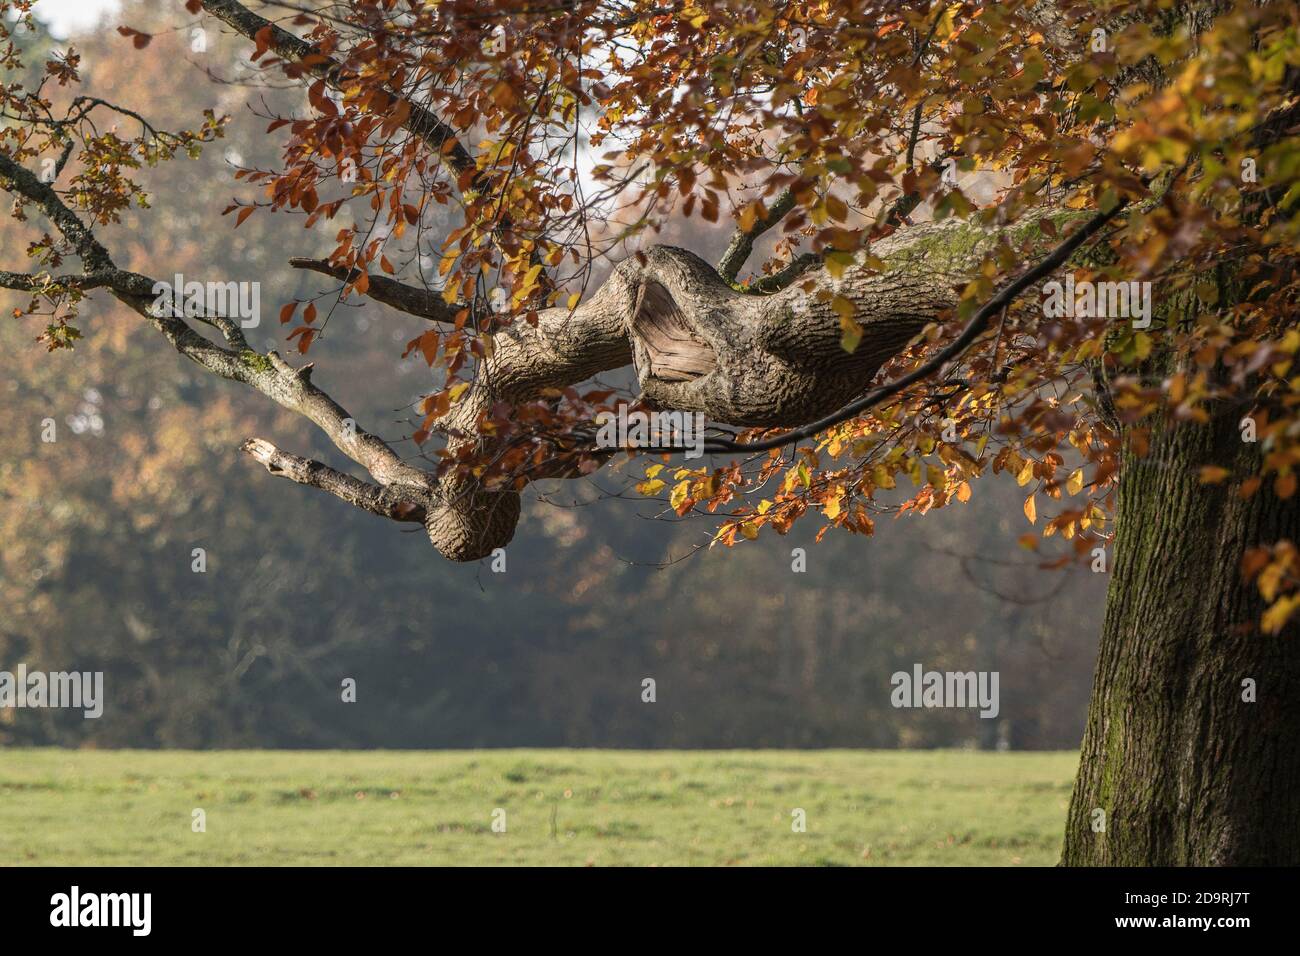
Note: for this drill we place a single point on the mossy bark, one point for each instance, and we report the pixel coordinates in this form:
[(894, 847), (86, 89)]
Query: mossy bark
[(1186, 770)]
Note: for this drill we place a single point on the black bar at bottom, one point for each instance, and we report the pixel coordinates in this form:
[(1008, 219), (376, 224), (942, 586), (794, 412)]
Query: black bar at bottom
[(335, 906)]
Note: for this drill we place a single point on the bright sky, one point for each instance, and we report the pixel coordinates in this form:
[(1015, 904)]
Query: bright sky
[(67, 16)]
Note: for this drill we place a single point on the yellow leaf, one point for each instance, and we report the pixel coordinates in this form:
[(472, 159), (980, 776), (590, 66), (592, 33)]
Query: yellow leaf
[(1026, 473), (1142, 344), (850, 335), (1031, 510), (837, 262), (1213, 474), (748, 216), (1075, 484), (963, 491), (832, 507), (1275, 617), (679, 494)]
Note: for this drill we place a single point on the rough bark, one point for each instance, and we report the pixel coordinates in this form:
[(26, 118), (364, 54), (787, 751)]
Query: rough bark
[(698, 345), (1186, 771)]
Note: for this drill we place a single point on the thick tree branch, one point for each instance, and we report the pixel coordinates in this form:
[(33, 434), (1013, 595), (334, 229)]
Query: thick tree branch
[(699, 345), (973, 330)]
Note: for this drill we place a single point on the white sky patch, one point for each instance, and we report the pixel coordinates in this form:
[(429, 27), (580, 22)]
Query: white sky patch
[(66, 17)]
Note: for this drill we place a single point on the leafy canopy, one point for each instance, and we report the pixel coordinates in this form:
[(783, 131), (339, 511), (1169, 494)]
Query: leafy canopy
[(552, 135)]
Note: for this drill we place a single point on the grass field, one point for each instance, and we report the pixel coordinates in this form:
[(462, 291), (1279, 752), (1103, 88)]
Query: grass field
[(562, 807)]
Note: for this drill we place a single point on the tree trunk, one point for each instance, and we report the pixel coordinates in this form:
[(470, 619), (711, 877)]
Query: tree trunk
[(1186, 771)]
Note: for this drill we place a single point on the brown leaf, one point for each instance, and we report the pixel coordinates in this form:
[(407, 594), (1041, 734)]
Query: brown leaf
[(139, 39)]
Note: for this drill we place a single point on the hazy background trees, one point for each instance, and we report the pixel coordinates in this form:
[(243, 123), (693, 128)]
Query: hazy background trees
[(98, 531)]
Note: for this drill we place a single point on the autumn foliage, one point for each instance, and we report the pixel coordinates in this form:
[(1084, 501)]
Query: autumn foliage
[(559, 136)]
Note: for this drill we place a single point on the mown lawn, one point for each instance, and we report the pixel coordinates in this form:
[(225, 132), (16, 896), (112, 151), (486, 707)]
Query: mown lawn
[(562, 807)]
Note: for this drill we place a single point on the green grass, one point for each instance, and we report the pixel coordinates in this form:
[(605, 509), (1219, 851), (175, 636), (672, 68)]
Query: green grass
[(563, 807)]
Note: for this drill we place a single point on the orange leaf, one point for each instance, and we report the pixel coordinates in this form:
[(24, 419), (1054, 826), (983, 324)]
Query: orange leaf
[(304, 336), (429, 346)]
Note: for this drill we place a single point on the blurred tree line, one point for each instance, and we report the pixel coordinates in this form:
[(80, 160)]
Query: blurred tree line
[(98, 531)]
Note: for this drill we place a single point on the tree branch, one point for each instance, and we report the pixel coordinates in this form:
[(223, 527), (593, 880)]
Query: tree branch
[(269, 374), (974, 328), (405, 298), (94, 257), (402, 504), (742, 241), (786, 274), (27, 282)]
